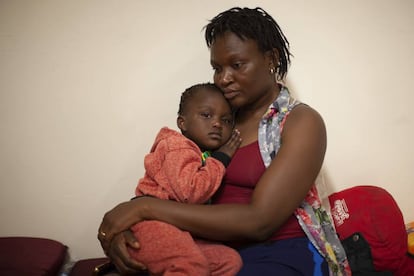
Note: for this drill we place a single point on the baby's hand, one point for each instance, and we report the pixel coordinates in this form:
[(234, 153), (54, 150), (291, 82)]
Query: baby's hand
[(232, 144)]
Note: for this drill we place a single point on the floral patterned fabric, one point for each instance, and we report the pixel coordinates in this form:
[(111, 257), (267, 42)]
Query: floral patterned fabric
[(312, 217)]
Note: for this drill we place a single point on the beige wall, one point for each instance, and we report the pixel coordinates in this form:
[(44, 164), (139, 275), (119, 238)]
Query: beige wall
[(85, 85)]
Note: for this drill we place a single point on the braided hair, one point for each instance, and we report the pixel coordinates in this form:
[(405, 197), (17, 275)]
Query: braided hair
[(192, 91), (253, 24)]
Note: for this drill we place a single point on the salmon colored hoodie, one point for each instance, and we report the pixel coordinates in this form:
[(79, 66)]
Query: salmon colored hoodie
[(174, 170)]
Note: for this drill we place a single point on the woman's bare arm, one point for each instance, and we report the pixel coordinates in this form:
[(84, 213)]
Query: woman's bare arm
[(278, 193)]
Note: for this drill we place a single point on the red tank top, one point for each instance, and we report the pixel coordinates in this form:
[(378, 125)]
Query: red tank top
[(244, 171)]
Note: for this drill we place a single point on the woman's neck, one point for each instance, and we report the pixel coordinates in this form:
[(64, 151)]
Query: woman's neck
[(260, 106), (247, 119)]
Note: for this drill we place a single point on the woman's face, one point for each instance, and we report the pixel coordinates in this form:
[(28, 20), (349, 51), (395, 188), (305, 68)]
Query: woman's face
[(241, 70)]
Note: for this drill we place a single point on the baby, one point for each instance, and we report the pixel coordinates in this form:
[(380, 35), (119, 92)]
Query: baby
[(188, 167)]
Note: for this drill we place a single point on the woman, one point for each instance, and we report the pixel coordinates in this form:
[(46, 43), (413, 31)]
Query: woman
[(268, 207)]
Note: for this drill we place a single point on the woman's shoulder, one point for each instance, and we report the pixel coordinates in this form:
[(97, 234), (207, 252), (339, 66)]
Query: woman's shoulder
[(305, 109), (304, 119)]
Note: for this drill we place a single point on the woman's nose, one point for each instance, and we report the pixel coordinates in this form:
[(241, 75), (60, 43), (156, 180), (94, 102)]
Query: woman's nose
[(225, 78)]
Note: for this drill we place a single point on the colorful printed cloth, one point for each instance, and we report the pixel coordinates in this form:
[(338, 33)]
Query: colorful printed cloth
[(313, 218)]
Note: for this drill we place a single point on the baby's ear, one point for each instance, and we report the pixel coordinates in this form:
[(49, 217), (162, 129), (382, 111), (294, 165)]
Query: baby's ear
[(181, 123)]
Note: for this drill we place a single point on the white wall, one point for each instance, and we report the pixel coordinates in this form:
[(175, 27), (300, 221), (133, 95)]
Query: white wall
[(85, 85)]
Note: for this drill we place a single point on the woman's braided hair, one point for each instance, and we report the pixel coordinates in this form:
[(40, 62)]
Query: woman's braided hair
[(253, 24)]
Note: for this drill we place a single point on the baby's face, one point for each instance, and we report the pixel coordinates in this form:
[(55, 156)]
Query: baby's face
[(208, 120)]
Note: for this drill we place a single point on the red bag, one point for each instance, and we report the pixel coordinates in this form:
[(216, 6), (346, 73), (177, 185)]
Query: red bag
[(373, 212)]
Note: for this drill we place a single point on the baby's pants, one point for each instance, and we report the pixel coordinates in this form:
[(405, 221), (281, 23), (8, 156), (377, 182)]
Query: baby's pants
[(167, 250)]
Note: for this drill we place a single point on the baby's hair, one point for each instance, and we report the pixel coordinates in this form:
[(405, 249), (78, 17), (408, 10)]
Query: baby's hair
[(191, 91), (253, 24)]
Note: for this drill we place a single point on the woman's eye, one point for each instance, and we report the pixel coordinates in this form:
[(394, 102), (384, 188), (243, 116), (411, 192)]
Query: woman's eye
[(216, 69), (237, 65)]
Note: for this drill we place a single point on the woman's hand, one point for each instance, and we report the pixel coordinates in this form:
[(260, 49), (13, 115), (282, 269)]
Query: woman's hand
[(119, 219), (119, 255)]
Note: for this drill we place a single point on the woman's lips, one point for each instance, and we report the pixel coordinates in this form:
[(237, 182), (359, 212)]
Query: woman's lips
[(230, 94)]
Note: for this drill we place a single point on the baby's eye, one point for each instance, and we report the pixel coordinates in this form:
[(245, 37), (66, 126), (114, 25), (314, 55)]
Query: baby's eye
[(205, 114), (227, 121)]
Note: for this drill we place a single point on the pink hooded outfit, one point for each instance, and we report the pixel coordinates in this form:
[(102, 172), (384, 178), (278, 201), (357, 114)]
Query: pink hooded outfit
[(174, 171)]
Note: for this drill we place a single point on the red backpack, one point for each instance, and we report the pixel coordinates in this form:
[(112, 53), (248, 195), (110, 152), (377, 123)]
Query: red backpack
[(372, 213)]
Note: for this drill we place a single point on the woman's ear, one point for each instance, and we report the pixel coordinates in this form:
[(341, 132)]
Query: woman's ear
[(181, 123), (273, 57)]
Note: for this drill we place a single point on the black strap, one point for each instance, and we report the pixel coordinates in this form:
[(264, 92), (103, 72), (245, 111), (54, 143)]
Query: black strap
[(359, 256)]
